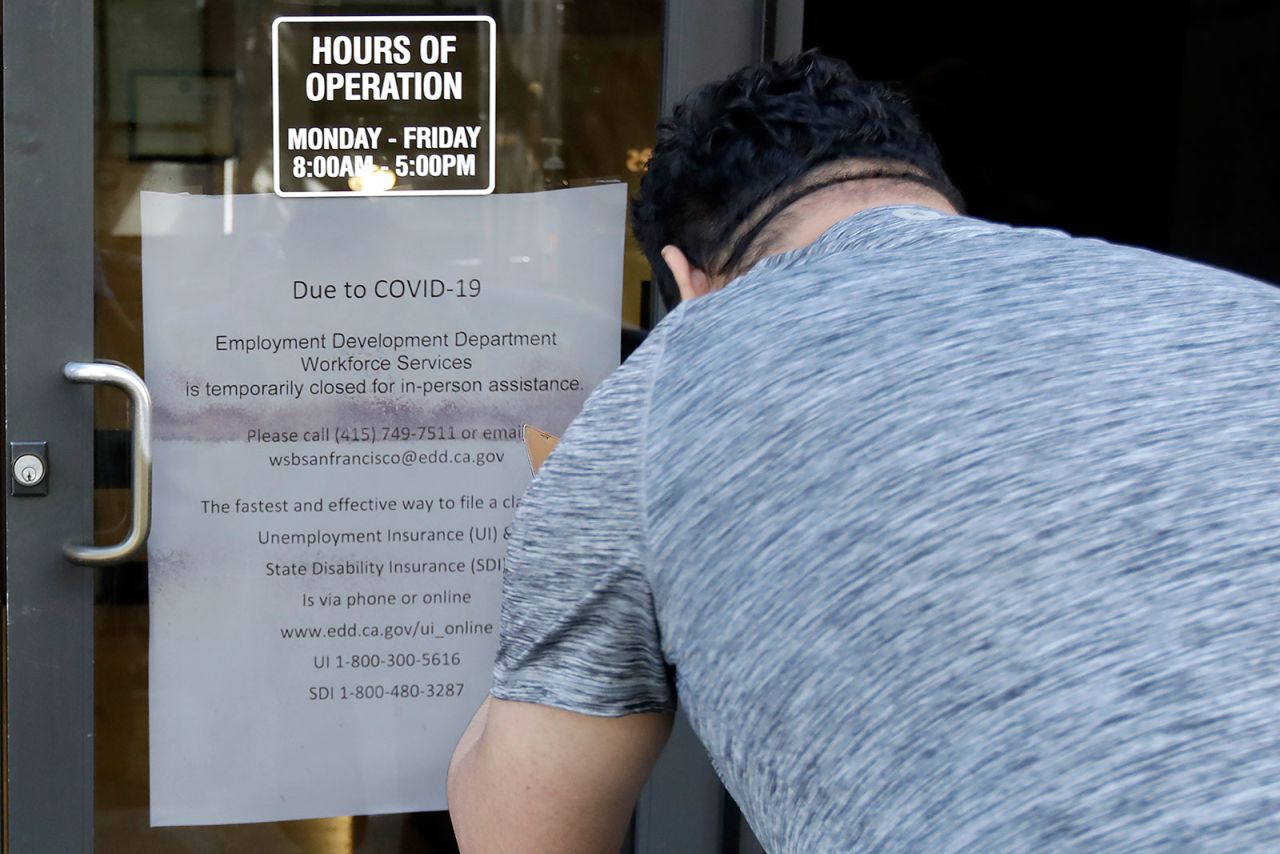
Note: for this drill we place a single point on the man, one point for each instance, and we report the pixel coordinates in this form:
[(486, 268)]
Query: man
[(948, 536)]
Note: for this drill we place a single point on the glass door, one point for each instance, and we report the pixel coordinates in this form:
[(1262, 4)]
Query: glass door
[(114, 110), (184, 105)]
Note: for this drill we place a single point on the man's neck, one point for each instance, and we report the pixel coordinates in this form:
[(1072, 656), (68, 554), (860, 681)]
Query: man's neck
[(825, 197), (809, 218)]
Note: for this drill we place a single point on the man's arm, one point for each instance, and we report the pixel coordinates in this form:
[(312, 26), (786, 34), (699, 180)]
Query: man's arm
[(529, 778)]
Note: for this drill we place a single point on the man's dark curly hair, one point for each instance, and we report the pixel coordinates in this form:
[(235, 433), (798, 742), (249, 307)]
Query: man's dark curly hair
[(733, 145)]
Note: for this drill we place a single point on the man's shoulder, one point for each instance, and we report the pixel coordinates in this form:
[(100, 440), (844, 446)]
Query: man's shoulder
[(941, 249), (1082, 253)]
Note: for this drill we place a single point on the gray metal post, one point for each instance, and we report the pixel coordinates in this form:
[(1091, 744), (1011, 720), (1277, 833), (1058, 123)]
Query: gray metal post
[(48, 283), (682, 808), (788, 31), (707, 39)]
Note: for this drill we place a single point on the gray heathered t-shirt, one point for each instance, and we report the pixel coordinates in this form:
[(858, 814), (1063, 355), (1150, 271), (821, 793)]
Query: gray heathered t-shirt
[(949, 536)]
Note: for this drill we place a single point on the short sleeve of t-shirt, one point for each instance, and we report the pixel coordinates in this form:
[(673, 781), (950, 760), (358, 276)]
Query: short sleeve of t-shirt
[(578, 624)]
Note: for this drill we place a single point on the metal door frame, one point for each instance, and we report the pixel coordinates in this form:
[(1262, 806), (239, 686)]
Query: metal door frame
[(48, 136), (48, 276), (683, 808)]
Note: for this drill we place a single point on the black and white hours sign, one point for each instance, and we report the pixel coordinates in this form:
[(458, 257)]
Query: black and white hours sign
[(384, 105)]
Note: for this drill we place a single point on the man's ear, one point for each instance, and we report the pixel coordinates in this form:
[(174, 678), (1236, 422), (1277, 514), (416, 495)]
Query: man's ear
[(691, 281)]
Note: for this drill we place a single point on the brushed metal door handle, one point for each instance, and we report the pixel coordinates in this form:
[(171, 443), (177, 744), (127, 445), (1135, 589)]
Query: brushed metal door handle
[(104, 373)]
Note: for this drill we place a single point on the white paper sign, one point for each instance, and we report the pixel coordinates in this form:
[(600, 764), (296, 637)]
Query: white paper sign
[(339, 390)]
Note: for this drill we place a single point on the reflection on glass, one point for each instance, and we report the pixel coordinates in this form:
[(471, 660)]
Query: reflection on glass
[(184, 106)]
